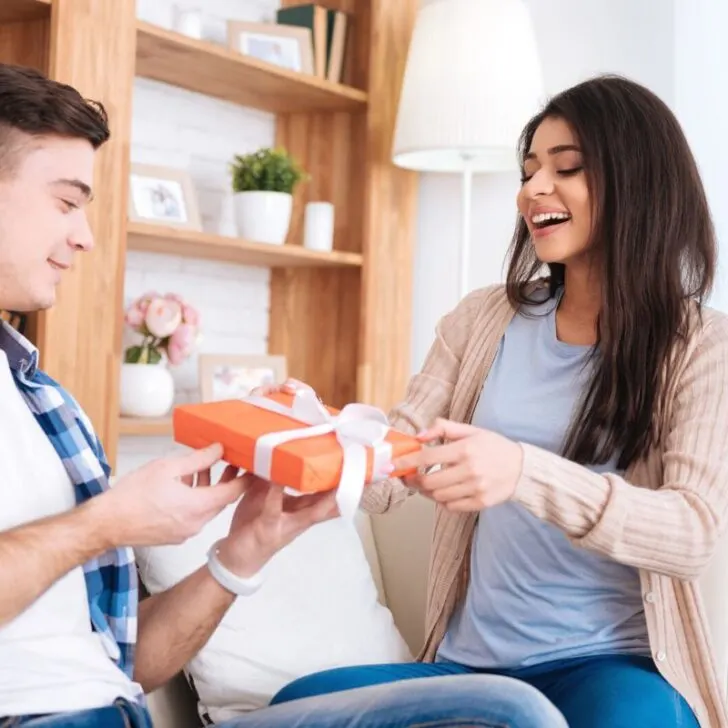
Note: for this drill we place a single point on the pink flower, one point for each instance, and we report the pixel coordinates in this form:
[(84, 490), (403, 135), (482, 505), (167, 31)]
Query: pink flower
[(144, 301), (190, 315), (181, 343), (134, 317), (163, 317)]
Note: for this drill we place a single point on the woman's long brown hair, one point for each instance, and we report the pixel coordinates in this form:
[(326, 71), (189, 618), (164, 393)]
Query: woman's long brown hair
[(654, 239)]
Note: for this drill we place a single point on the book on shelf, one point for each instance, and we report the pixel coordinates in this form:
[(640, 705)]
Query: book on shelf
[(328, 30)]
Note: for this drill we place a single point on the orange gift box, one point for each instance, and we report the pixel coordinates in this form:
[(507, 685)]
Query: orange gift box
[(309, 465)]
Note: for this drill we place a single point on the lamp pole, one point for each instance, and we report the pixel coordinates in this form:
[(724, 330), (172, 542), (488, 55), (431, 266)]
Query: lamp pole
[(466, 205)]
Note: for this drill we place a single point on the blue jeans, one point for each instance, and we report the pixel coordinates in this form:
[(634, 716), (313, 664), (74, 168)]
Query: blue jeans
[(445, 701), (121, 714), (611, 691), (465, 701)]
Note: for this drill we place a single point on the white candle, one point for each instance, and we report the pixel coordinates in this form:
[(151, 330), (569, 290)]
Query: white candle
[(188, 21), (318, 226)]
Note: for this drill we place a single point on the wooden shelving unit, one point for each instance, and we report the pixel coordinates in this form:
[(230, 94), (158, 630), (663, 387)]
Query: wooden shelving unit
[(200, 66), (193, 244), (150, 427), (341, 319), (13, 11)]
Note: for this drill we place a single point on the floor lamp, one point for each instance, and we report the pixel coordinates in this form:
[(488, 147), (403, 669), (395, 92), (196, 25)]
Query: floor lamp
[(472, 80)]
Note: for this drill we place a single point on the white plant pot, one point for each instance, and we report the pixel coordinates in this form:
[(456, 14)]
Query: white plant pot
[(263, 217), (147, 390)]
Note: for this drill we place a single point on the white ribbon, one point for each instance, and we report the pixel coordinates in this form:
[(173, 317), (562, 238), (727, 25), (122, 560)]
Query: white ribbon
[(357, 427)]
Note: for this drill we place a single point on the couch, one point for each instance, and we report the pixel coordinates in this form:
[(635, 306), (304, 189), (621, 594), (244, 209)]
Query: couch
[(397, 546)]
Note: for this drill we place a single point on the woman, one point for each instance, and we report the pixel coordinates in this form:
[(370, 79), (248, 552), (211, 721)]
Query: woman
[(585, 456)]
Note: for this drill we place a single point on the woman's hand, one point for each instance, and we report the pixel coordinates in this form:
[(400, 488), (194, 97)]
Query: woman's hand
[(478, 468)]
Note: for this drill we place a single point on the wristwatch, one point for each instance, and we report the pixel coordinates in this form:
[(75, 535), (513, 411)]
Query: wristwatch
[(235, 584)]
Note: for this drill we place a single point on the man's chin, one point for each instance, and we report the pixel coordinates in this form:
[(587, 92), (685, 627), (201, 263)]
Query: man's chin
[(30, 306)]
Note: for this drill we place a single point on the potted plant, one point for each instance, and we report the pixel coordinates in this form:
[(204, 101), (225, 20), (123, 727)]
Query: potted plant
[(167, 329), (263, 183)]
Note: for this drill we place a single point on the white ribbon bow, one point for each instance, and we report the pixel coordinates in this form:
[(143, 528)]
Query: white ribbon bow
[(357, 427)]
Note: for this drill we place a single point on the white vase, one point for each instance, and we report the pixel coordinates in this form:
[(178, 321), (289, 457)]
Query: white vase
[(263, 217), (147, 390)]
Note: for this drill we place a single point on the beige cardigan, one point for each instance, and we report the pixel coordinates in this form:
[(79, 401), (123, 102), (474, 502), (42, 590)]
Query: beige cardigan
[(664, 518)]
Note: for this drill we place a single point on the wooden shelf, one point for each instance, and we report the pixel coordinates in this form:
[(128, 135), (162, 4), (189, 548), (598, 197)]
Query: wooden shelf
[(193, 244), (210, 69), (146, 427), (14, 10)]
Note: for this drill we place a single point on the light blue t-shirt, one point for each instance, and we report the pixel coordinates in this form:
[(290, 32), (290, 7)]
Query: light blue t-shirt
[(533, 596)]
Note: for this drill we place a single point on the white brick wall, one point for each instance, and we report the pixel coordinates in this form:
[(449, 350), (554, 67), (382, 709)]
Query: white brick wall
[(176, 128)]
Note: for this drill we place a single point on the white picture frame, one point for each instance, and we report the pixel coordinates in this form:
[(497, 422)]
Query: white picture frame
[(285, 46), (231, 376), (163, 196)]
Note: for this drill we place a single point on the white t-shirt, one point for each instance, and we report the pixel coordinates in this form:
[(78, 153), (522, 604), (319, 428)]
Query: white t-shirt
[(51, 661)]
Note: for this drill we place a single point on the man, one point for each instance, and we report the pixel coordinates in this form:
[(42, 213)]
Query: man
[(67, 639), (76, 649)]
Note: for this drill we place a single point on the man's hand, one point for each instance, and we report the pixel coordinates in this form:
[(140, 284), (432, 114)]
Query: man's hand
[(174, 625), (266, 520), (157, 504)]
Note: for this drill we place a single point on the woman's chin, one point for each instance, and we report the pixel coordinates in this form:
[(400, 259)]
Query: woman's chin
[(551, 249)]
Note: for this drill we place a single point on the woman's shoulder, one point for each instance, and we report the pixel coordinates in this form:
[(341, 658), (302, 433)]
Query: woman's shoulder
[(708, 329), (494, 299)]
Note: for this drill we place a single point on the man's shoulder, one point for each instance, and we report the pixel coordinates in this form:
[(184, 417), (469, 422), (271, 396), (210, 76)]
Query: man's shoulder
[(61, 397)]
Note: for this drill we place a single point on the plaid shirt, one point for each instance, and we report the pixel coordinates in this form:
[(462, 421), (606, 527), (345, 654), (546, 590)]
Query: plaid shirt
[(111, 580)]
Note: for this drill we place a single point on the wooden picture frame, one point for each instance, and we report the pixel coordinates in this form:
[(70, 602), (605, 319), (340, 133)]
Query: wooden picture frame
[(163, 196), (285, 46), (232, 376)]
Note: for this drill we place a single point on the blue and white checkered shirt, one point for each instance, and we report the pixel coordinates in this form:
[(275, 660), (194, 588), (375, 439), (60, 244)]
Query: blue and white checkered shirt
[(111, 579)]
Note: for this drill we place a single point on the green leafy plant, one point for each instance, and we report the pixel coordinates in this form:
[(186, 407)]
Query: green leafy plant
[(271, 170)]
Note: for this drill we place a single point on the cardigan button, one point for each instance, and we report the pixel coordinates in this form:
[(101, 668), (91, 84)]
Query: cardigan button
[(650, 597), (661, 656)]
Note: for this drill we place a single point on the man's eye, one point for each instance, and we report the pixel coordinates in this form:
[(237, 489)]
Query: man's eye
[(70, 205)]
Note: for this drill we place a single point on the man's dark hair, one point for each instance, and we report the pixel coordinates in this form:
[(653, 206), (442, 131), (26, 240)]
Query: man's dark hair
[(32, 104)]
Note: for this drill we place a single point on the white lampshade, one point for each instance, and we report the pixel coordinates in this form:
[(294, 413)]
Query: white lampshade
[(472, 81)]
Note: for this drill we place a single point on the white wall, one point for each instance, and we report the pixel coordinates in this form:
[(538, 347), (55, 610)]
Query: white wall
[(701, 103), (576, 40), (177, 128)]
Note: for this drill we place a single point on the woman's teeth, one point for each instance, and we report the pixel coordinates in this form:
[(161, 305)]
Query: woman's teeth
[(548, 218)]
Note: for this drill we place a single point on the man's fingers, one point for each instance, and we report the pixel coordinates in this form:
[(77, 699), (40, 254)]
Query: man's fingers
[(230, 472), (193, 462), (273, 501), (223, 494), (295, 503), (203, 478), (307, 510)]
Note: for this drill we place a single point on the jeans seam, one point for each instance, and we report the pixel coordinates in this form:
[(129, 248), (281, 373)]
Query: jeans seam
[(124, 716)]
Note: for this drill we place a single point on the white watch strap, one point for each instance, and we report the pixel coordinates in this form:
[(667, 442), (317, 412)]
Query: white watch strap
[(233, 583)]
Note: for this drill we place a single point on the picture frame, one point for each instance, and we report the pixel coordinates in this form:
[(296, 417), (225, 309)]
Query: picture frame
[(163, 196), (285, 46), (233, 376)]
